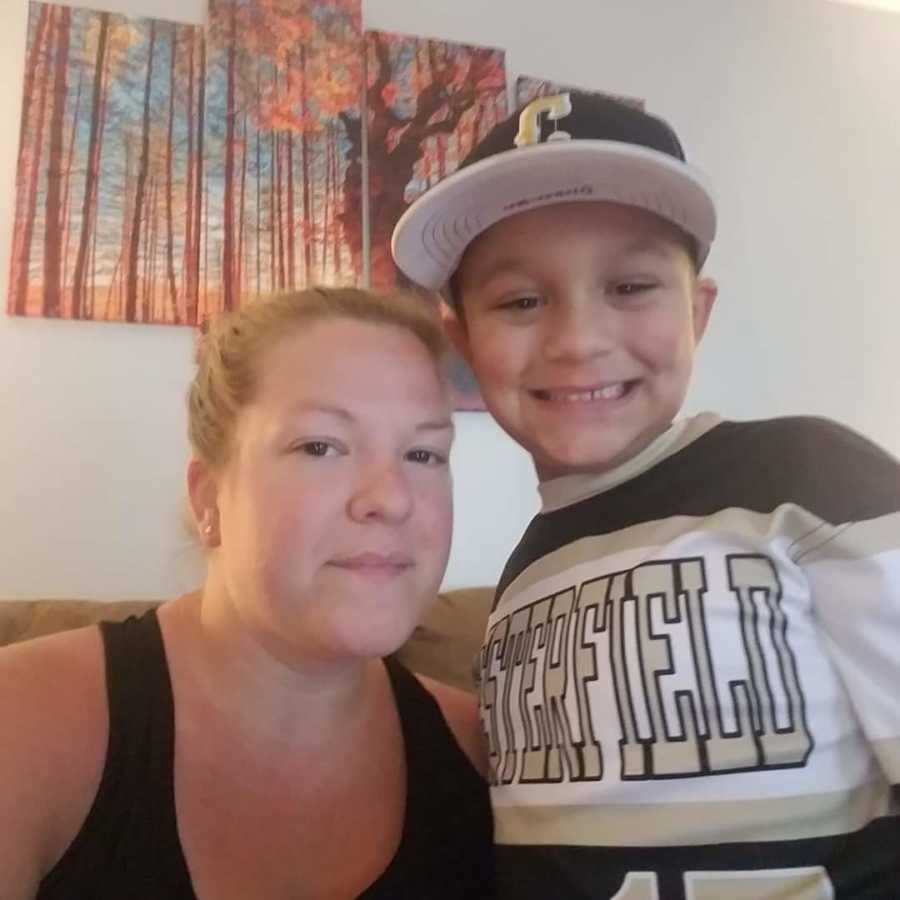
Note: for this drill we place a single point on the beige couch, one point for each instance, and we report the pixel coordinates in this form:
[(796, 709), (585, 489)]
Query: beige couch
[(442, 647)]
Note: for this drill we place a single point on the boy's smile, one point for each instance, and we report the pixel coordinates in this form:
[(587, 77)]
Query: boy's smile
[(580, 321)]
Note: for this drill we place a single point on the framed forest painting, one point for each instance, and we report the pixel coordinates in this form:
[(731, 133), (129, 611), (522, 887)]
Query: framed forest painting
[(169, 172)]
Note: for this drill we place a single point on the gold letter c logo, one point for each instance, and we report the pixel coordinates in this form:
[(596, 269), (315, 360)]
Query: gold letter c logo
[(557, 106)]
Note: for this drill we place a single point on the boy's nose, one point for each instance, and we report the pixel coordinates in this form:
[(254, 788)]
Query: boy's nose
[(579, 330), (382, 493)]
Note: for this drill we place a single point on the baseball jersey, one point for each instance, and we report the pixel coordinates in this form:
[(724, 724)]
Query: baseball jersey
[(690, 680)]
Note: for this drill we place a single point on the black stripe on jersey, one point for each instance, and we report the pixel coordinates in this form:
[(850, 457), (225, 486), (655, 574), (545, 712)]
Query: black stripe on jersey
[(816, 464), (864, 865)]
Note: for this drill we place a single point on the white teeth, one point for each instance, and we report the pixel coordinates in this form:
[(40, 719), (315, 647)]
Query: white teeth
[(610, 392)]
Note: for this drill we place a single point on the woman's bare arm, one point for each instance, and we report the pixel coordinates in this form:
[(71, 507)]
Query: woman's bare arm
[(53, 731), (460, 709)]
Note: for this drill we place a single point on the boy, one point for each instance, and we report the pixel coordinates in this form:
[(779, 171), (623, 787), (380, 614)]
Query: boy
[(690, 680)]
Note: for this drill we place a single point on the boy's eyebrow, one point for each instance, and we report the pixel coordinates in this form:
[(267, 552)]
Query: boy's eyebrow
[(511, 265), (503, 266), (648, 246)]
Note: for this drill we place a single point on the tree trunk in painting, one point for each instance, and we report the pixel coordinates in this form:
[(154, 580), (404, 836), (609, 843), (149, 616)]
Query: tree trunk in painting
[(104, 98), (90, 177), (279, 206), (52, 213), (239, 275), (291, 276), (335, 223), (22, 244), (149, 237), (351, 212), (290, 209), (170, 226), (67, 193), (127, 220), (23, 170), (31, 67), (258, 228), (228, 267), (199, 218), (325, 207), (187, 256), (308, 226), (273, 254), (131, 294)]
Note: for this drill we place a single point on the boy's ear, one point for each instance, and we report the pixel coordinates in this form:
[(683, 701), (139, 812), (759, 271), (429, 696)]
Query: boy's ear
[(203, 496), (455, 329), (705, 293)]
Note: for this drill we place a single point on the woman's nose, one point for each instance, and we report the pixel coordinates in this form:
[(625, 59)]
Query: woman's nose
[(383, 492)]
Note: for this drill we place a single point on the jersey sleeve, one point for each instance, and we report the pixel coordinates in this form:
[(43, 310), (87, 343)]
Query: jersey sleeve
[(853, 567)]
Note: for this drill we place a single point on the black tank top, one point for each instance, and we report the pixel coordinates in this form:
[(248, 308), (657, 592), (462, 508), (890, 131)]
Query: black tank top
[(129, 845)]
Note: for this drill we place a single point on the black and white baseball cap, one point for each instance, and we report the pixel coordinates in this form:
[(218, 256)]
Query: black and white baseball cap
[(565, 148)]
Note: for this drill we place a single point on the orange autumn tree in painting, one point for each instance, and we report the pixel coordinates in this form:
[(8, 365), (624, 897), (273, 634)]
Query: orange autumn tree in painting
[(282, 128), (428, 102)]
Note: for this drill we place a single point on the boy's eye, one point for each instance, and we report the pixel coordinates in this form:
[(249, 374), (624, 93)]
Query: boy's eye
[(632, 288), (426, 457), (523, 303)]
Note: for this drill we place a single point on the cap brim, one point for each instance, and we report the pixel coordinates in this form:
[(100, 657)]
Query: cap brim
[(431, 236)]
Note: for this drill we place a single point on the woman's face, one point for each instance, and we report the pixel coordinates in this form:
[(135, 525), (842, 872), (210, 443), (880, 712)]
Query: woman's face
[(335, 507)]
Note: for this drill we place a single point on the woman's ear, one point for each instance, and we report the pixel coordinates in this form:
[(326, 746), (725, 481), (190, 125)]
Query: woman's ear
[(203, 495)]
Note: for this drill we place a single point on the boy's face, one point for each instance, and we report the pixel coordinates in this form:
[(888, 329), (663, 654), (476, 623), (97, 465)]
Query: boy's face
[(580, 322)]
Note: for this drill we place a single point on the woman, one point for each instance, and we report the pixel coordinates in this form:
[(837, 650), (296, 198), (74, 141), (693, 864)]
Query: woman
[(248, 741)]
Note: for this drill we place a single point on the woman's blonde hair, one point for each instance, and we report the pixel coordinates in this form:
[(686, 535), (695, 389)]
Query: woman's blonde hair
[(231, 349)]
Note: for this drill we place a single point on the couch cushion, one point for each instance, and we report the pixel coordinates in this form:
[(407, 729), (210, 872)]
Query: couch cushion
[(442, 647)]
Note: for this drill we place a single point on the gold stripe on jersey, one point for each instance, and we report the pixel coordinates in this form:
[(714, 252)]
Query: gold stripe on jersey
[(790, 522), (684, 824)]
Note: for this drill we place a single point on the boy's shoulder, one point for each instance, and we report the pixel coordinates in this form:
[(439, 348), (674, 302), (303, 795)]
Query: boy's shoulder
[(815, 464)]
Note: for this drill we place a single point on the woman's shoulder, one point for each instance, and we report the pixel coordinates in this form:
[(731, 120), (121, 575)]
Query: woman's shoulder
[(54, 727)]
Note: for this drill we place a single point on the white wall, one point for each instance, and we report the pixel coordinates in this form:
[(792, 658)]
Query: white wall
[(792, 107)]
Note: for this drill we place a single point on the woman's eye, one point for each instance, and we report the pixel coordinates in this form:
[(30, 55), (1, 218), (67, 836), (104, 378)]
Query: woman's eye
[(317, 448), (426, 457)]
